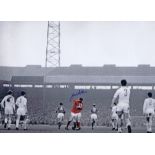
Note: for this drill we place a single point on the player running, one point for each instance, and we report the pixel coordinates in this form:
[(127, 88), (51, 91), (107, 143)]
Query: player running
[(114, 117), (76, 114), (148, 111), (93, 116), (8, 104), (123, 95), (60, 115), (21, 103)]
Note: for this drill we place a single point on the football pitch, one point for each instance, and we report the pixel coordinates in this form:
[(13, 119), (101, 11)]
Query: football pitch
[(54, 129)]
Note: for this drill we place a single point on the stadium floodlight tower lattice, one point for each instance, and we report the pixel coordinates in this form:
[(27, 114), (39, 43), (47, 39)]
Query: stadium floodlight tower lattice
[(52, 52), (53, 44)]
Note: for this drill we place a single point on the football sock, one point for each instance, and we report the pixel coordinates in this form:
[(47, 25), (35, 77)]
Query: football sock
[(78, 124), (9, 123), (93, 123), (5, 120), (17, 123), (113, 125), (74, 126), (128, 122), (68, 123), (25, 124)]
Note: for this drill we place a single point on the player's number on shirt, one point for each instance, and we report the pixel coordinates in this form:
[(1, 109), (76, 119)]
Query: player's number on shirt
[(125, 92), (150, 103), (80, 105)]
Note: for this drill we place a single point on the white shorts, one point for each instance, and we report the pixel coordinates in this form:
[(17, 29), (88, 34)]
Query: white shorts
[(114, 116), (93, 117), (60, 116), (21, 112), (123, 107), (149, 111), (75, 117), (8, 110)]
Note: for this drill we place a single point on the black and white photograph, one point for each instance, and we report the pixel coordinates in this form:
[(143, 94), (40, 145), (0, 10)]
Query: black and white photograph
[(77, 77)]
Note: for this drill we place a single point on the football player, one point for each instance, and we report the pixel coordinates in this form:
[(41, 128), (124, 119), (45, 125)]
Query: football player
[(93, 116), (8, 104), (76, 114), (123, 95), (114, 117), (21, 103), (60, 114), (148, 111)]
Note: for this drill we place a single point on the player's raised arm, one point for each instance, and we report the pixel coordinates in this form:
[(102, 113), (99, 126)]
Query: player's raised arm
[(2, 102)]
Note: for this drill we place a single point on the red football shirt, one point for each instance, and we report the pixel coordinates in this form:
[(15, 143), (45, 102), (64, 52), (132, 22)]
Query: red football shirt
[(76, 106)]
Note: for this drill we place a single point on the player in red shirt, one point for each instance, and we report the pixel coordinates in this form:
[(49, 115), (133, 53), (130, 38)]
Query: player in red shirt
[(76, 114)]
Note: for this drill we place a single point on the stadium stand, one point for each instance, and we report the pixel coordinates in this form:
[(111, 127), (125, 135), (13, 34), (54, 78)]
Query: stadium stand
[(45, 92)]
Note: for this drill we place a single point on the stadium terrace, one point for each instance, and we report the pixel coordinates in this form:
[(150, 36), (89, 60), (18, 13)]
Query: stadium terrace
[(60, 83)]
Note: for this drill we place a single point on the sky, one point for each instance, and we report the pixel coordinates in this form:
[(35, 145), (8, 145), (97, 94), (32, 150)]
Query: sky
[(86, 43)]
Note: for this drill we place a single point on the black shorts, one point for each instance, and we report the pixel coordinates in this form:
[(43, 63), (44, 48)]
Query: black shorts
[(22, 117)]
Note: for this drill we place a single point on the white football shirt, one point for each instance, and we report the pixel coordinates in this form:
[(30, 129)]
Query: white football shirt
[(94, 110), (123, 94), (21, 102), (8, 104), (149, 103)]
